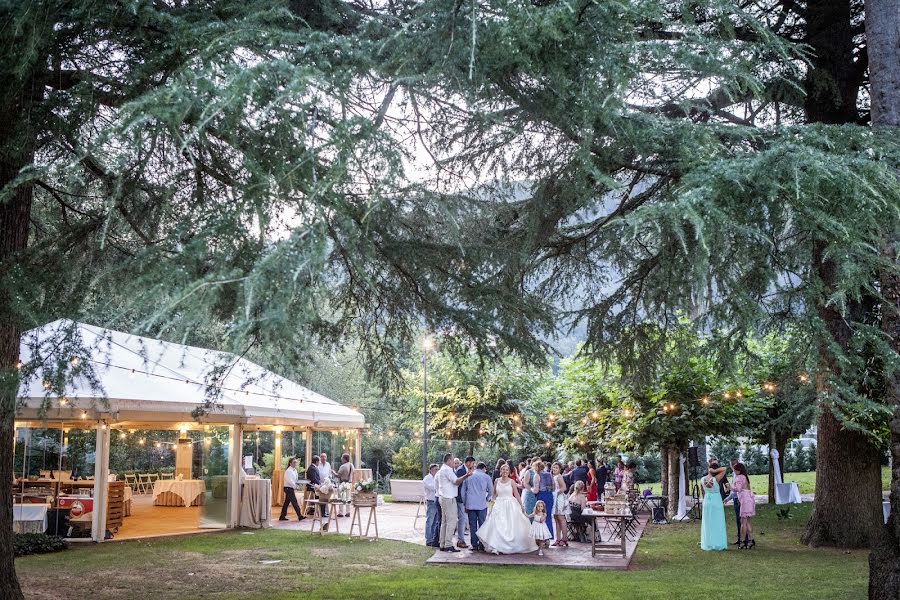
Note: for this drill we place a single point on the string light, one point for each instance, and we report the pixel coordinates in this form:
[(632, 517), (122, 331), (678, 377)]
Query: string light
[(628, 413), (803, 377), (157, 444), (62, 401), (547, 444), (122, 436), (594, 415), (727, 395), (739, 394), (769, 386), (84, 414), (75, 361), (141, 441), (704, 401), (47, 385), (19, 365)]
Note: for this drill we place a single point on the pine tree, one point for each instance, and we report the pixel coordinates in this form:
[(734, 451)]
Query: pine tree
[(883, 33)]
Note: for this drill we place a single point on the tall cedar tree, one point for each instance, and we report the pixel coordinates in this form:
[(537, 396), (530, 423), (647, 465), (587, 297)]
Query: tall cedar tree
[(883, 33), (171, 165)]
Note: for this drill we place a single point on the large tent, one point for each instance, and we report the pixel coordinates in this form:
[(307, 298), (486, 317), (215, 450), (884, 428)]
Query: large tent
[(124, 381)]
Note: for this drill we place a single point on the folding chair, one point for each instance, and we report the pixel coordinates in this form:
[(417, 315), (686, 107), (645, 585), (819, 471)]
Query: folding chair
[(132, 482), (145, 483)]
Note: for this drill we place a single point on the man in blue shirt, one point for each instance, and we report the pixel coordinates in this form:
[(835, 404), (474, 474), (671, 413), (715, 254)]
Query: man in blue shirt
[(476, 493)]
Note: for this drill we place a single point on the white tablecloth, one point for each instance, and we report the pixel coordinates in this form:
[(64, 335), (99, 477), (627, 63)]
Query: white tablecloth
[(787, 493), (886, 509), (29, 518), (256, 503), (187, 489)]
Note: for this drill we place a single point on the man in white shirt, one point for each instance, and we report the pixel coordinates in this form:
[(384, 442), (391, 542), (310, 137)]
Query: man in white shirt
[(447, 490), (290, 487), (432, 513), (324, 468)]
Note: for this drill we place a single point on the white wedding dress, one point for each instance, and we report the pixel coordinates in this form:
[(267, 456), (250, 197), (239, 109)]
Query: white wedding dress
[(507, 530)]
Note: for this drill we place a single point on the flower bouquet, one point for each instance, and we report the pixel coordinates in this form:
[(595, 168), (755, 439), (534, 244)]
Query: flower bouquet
[(344, 490), (367, 486)]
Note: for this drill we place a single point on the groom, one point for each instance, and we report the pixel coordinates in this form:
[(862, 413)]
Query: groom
[(447, 490), (476, 493)]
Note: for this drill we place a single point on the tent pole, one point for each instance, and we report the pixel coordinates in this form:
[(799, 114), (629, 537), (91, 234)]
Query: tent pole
[(309, 436), (101, 484), (234, 478), (358, 450)]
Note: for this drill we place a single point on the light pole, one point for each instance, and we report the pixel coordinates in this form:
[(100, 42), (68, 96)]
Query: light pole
[(427, 347)]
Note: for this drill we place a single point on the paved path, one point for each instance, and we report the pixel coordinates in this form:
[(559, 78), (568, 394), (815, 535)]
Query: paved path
[(397, 521)]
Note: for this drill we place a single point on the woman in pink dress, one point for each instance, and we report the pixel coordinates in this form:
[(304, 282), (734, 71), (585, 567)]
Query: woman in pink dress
[(741, 487)]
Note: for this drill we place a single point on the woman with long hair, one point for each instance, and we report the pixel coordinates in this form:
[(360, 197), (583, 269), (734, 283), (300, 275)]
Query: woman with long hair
[(741, 487), (560, 506), (592, 482)]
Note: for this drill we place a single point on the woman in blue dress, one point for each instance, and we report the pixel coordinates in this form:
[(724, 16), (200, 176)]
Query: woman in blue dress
[(529, 490), (712, 529), (543, 486)]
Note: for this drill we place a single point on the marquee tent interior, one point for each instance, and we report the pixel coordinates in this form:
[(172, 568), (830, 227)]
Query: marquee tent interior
[(127, 393)]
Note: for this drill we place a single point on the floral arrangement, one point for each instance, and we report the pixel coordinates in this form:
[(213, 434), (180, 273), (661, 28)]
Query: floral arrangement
[(343, 491), (365, 486)]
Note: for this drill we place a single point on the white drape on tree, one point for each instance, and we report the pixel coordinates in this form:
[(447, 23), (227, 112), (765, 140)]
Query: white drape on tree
[(776, 466), (682, 492)]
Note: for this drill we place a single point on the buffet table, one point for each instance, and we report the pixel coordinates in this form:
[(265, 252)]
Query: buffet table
[(256, 503), (172, 492), (30, 518)]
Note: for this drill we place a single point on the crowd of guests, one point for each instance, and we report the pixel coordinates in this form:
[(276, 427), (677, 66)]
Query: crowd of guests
[(457, 494), (319, 479)]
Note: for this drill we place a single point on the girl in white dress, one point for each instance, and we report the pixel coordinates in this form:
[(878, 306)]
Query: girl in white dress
[(506, 529), (539, 530)]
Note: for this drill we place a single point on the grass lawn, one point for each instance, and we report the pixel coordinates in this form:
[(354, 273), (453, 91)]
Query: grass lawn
[(668, 565), (805, 481)]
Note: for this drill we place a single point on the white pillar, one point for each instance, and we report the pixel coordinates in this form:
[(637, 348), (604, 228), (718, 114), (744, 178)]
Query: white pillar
[(357, 459), (101, 483), (309, 436), (235, 441)]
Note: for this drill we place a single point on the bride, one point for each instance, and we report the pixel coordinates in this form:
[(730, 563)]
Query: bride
[(507, 530)]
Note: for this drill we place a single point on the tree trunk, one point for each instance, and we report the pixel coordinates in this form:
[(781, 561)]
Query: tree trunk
[(674, 468), (883, 40), (664, 471), (15, 213), (848, 467)]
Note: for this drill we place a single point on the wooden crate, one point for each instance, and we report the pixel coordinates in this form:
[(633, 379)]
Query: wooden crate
[(115, 506)]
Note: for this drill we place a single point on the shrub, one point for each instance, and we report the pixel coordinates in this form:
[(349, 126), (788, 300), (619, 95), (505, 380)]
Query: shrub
[(37, 543), (406, 463), (756, 461)]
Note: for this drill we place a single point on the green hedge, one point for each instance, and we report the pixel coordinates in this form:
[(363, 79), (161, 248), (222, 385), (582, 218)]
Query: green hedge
[(37, 543)]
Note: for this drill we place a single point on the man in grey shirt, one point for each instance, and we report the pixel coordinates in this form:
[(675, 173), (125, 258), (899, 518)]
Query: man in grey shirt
[(476, 493)]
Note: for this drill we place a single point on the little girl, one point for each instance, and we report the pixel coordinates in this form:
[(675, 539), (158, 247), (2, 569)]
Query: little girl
[(539, 530)]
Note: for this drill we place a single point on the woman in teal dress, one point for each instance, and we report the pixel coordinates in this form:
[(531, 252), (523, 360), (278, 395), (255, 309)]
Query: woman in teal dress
[(712, 530)]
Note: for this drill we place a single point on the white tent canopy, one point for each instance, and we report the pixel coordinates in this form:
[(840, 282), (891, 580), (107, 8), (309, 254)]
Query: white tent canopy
[(145, 381)]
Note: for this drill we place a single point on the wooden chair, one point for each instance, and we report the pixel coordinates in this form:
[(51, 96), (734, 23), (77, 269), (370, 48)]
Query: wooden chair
[(131, 480), (167, 476), (145, 483)]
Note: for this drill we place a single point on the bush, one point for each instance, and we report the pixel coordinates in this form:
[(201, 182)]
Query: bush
[(811, 460), (264, 470), (756, 461), (724, 450), (406, 463), (37, 543)]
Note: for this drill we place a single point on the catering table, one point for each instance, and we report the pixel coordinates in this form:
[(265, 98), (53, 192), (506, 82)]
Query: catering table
[(787, 493), (30, 518), (256, 503), (618, 530), (172, 492)]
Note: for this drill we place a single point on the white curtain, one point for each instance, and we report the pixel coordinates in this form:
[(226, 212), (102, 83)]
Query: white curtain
[(775, 466), (682, 492)]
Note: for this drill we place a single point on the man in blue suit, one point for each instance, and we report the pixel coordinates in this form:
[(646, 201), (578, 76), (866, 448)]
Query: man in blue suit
[(476, 493)]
